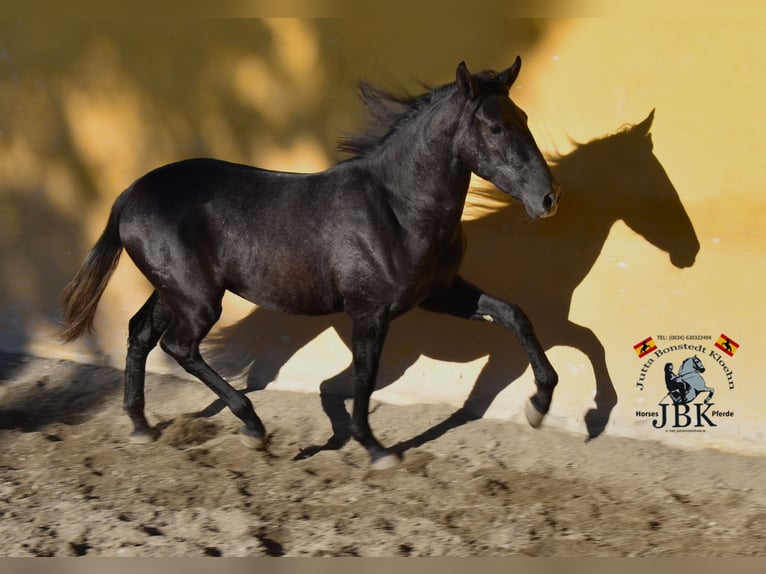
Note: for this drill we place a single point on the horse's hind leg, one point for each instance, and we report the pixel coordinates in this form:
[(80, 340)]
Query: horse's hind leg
[(144, 331), (469, 302), (181, 340)]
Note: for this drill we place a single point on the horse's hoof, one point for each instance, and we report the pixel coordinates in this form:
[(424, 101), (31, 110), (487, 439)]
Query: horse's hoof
[(142, 437), (252, 441), (534, 416), (389, 460)]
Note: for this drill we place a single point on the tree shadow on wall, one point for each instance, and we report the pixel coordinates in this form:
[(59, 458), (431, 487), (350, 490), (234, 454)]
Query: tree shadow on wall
[(537, 264), (242, 87), (37, 249)]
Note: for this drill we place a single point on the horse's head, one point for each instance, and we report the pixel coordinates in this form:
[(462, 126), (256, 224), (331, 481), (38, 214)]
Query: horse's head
[(494, 142), (690, 365), (657, 213), (619, 177)]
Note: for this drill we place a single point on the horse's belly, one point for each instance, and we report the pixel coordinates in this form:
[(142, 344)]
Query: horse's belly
[(298, 288)]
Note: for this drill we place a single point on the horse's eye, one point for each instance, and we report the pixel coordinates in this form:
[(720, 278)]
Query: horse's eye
[(495, 128)]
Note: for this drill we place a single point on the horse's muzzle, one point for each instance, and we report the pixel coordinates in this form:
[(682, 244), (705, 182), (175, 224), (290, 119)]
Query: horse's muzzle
[(550, 202)]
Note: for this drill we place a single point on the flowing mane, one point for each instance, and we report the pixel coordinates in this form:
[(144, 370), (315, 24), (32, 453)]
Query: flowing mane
[(386, 112)]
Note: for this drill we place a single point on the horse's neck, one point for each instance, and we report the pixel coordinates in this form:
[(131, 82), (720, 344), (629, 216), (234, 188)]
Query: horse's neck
[(425, 182), (685, 368)]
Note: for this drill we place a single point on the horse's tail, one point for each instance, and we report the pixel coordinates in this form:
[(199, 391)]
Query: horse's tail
[(81, 296)]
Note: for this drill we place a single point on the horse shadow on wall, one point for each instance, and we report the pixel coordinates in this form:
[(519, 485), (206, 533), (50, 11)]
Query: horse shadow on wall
[(537, 264)]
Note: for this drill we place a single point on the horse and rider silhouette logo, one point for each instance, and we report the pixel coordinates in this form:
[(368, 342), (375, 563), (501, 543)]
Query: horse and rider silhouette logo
[(684, 387)]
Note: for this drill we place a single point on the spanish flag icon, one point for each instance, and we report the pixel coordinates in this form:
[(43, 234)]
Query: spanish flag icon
[(727, 344), (645, 347)]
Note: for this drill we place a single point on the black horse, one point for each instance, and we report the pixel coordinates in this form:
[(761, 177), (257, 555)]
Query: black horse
[(374, 236), (610, 179)]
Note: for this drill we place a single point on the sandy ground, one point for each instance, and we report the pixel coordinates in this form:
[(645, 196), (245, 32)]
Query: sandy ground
[(71, 484)]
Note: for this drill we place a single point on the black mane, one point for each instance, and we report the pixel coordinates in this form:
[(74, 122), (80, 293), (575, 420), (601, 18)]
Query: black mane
[(386, 112)]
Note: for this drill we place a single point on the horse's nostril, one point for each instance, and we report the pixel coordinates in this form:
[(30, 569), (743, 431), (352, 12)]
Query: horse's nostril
[(549, 201)]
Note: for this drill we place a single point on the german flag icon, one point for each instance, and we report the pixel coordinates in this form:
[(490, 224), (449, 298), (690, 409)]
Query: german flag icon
[(645, 347), (727, 344)]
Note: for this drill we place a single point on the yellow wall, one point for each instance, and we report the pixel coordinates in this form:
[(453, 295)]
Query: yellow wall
[(87, 106)]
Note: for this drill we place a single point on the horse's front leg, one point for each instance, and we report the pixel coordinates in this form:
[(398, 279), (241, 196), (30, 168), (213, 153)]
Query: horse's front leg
[(368, 332), (469, 302)]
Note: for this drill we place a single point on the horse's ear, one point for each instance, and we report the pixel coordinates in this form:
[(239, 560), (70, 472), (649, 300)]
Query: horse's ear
[(644, 126), (466, 83), (642, 130), (509, 76)]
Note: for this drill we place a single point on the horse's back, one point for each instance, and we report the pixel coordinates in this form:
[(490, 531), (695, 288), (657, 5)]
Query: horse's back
[(201, 203), (188, 183), (221, 225)]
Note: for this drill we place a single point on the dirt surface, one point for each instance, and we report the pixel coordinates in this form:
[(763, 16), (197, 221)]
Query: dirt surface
[(72, 485)]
